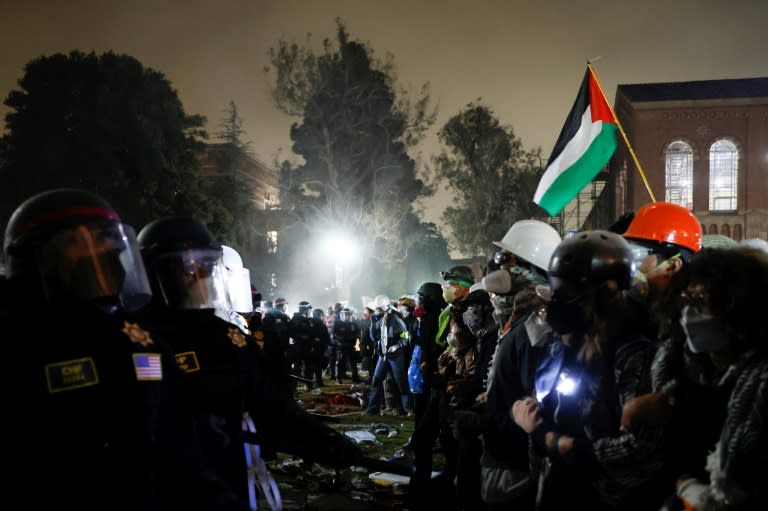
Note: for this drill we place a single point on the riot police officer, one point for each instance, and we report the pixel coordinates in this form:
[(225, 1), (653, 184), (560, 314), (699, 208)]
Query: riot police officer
[(225, 370), (321, 341), (275, 324), (301, 331), (97, 420), (346, 333)]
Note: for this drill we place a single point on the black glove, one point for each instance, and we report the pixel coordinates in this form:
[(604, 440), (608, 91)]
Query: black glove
[(343, 452)]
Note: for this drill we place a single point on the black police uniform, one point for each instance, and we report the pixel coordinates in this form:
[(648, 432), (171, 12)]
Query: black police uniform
[(274, 324), (346, 334), (302, 332), (95, 414), (227, 374)]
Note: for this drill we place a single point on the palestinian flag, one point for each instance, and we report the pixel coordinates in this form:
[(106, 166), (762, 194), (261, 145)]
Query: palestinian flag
[(586, 143)]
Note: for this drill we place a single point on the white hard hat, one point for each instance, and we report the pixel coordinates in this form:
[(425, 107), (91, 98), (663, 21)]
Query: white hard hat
[(476, 286), (532, 240), (381, 302)]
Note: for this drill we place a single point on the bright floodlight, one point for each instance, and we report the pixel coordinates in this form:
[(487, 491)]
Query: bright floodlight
[(341, 248)]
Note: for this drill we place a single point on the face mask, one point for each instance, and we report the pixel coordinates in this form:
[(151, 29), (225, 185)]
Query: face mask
[(704, 333), (449, 294), (404, 312), (564, 317), (419, 312), (503, 306), (453, 342), (537, 329), (474, 319)]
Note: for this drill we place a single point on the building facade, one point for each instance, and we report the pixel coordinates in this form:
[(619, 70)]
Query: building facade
[(259, 251), (262, 179), (702, 144)]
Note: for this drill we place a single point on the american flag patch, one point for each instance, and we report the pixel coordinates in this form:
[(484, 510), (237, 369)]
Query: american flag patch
[(147, 366)]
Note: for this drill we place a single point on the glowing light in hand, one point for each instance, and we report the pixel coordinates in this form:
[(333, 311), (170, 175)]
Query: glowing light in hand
[(567, 385)]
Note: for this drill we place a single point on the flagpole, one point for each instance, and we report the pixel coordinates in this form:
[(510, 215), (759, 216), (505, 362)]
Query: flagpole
[(623, 134)]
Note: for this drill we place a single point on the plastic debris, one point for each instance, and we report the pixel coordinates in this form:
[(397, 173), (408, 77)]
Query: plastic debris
[(362, 436)]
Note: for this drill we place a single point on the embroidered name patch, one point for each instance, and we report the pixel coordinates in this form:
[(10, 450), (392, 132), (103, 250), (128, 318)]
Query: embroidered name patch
[(187, 361), (148, 366), (71, 374)]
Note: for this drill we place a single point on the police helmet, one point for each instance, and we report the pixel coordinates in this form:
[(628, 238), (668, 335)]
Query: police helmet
[(185, 264), (73, 242)]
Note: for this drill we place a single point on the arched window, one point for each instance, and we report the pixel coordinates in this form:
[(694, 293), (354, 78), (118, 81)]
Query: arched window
[(737, 232), (678, 159), (723, 175), (725, 230)]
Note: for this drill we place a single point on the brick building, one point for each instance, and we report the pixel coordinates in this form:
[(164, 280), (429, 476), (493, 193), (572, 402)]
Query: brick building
[(702, 144)]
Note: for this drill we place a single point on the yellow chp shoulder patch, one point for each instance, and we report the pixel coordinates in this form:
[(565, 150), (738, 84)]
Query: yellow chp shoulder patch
[(148, 366), (187, 361), (237, 337), (137, 334), (71, 375)]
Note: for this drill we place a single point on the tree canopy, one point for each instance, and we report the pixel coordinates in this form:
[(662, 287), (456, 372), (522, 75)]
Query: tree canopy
[(234, 183), (110, 125), (355, 130), (490, 176)]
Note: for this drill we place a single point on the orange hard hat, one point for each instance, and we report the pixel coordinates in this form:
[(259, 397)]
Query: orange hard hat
[(664, 222)]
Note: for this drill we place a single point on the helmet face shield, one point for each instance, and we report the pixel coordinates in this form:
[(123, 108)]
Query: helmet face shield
[(97, 261), (192, 279), (639, 251), (239, 289)]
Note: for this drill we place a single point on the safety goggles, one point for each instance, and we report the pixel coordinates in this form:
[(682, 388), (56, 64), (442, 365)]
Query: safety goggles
[(503, 257)]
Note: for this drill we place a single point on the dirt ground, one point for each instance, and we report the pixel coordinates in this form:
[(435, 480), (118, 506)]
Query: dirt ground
[(382, 438)]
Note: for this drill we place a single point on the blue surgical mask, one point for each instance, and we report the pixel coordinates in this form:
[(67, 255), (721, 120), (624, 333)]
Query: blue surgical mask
[(705, 333)]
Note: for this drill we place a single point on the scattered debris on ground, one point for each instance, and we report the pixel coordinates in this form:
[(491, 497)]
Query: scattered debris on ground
[(382, 485)]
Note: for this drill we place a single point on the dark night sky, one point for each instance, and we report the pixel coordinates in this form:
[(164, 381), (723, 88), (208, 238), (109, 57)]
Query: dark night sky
[(524, 58)]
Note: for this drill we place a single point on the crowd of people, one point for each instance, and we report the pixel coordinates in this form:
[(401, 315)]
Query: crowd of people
[(619, 368)]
